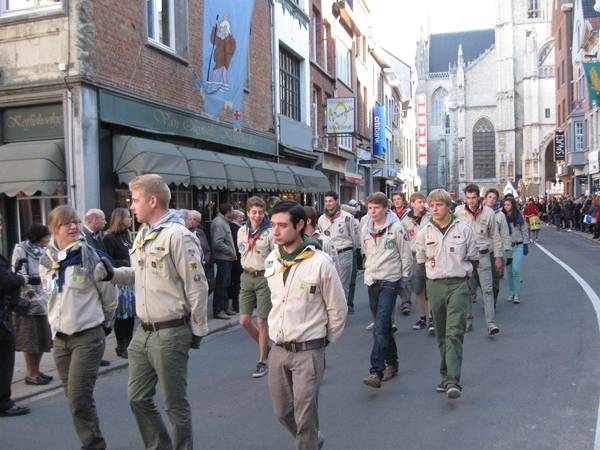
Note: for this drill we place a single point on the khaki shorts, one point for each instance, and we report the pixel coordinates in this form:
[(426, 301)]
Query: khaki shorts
[(418, 282), (255, 293)]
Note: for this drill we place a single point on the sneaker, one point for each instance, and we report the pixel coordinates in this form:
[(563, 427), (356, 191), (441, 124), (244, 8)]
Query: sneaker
[(420, 325), (389, 372), (493, 329), (469, 328), (373, 380), (261, 370), (222, 315), (440, 387), (516, 299), (394, 328), (431, 328), (453, 392), (350, 310), (405, 310), (370, 326), (511, 298)]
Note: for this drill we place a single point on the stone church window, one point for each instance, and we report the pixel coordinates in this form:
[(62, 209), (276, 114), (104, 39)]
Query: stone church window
[(439, 106), (484, 150)]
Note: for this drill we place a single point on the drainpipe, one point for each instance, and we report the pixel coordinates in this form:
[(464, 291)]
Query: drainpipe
[(70, 152), (274, 85)]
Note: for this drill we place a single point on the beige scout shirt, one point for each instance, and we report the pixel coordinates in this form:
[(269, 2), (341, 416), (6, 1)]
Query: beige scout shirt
[(253, 259), (342, 230), (328, 247), (388, 257), (82, 304), (169, 278), (310, 305), (483, 224), (412, 227), (447, 255), (503, 232)]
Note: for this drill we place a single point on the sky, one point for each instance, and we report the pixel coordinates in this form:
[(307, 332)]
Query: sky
[(397, 23)]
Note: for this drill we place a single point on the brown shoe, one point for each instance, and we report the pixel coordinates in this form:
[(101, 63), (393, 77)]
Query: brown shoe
[(373, 381), (389, 372), (221, 315), (230, 312)]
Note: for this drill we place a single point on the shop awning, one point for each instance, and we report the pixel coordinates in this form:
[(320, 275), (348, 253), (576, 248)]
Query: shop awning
[(206, 170), (263, 175), (32, 166), (285, 178), (135, 156), (310, 181), (239, 175)]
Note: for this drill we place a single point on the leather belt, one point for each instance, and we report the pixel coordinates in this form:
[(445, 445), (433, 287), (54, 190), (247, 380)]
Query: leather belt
[(484, 252), (155, 326), (296, 347), (258, 273), (517, 243), (344, 250)]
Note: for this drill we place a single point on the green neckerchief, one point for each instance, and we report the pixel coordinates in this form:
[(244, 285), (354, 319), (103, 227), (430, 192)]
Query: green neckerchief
[(306, 241), (331, 214)]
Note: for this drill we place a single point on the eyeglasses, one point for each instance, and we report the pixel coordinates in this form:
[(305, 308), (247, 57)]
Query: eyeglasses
[(70, 222)]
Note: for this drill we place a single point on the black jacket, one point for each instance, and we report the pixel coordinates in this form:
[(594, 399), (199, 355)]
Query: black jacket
[(96, 243), (118, 248), (10, 284)]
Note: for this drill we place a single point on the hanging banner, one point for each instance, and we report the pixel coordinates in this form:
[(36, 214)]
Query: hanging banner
[(559, 145), (592, 73), (225, 56), (378, 128), (422, 129)]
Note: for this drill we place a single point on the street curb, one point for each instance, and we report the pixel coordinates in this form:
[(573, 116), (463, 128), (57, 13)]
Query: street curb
[(117, 364)]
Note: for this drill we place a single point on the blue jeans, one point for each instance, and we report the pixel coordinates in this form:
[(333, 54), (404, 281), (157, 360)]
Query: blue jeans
[(513, 271), (222, 282), (382, 300)]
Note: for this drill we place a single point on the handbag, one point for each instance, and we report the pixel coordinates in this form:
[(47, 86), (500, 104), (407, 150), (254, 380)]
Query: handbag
[(588, 219)]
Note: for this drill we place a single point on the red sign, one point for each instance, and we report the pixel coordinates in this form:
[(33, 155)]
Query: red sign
[(422, 130), (452, 193)]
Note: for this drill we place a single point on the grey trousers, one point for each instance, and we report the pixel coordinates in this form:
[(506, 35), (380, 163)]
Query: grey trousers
[(345, 266), (161, 356), (484, 276), (77, 358), (294, 383)]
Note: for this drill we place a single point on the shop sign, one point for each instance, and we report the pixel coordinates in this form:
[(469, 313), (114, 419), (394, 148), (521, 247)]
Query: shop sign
[(559, 145), (378, 130), (422, 129), (33, 123), (340, 115), (593, 162), (142, 115)]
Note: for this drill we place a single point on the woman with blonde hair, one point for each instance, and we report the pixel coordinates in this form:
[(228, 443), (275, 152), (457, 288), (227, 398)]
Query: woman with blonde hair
[(118, 242), (80, 310)]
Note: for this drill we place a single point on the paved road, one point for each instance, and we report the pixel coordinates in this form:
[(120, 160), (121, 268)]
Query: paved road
[(535, 385)]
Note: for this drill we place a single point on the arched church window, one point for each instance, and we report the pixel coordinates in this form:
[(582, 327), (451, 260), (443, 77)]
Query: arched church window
[(484, 150), (439, 106)]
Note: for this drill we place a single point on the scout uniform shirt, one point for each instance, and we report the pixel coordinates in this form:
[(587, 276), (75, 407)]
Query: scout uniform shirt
[(447, 255), (310, 304), (255, 250), (503, 232), (483, 223), (328, 247), (387, 252), (166, 266), (412, 226), (341, 230)]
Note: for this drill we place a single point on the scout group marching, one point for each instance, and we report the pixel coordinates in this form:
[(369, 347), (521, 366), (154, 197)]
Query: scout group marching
[(298, 277)]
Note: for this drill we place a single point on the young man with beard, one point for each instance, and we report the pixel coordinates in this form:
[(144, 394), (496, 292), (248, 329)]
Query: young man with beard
[(255, 242), (482, 220), (413, 221), (309, 312), (387, 270), (447, 254)]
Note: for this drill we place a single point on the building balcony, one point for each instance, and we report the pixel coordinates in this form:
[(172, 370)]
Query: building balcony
[(576, 159)]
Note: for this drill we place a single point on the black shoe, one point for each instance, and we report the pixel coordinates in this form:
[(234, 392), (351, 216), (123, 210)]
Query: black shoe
[(15, 411), (38, 381), (122, 352), (104, 363), (47, 377)]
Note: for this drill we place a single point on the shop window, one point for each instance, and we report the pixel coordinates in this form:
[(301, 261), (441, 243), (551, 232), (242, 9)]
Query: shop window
[(181, 198), (35, 208), (238, 200)]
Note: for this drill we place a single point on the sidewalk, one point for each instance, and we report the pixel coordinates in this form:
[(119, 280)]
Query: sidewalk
[(580, 234), (22, 391)]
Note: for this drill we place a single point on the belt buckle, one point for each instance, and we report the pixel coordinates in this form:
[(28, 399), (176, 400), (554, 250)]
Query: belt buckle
[(293, 347), (150, 325)]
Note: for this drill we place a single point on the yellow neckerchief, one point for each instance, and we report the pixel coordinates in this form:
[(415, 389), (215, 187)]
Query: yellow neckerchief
[(285, 265), (140, 243), (56, 263)]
